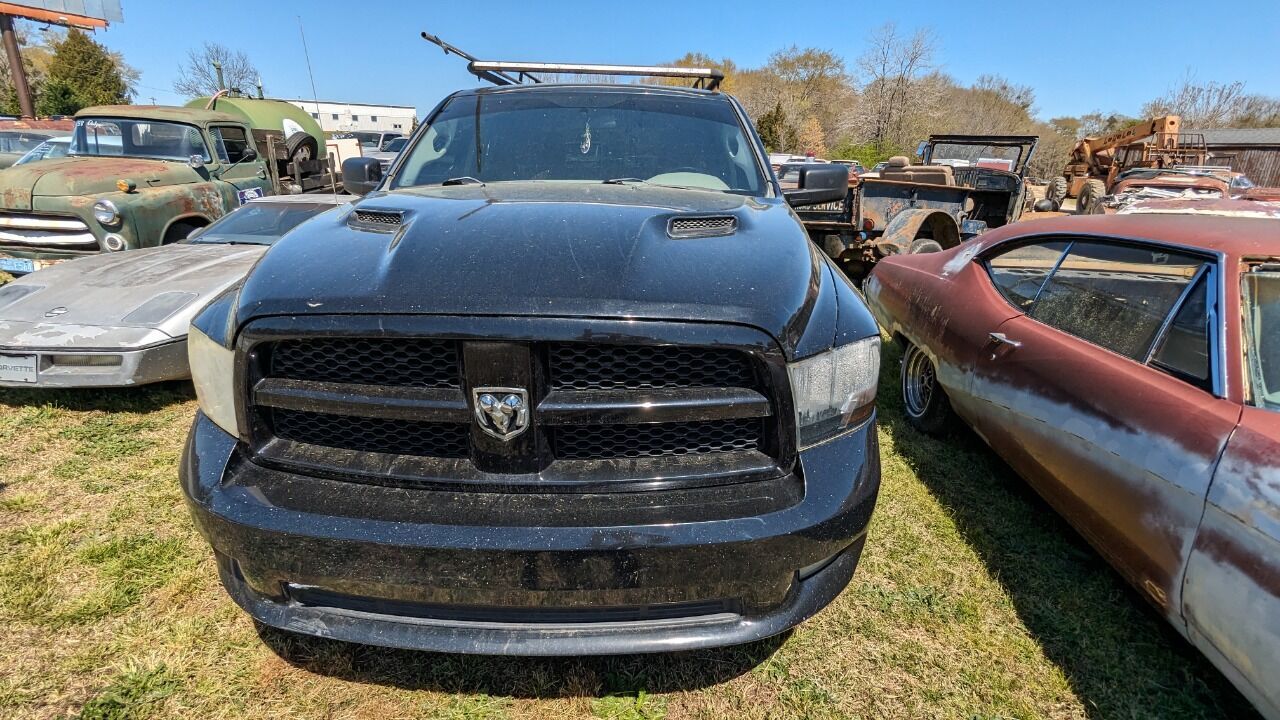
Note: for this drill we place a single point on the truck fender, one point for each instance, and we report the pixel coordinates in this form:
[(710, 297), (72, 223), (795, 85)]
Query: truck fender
[(193, 220), (911, 225)]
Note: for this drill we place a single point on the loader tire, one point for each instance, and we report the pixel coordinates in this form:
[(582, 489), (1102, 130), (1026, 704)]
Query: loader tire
[(1057, 191), (1090, 197)]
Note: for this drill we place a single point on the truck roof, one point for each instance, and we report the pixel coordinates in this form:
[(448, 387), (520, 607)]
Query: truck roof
[(160, 112)]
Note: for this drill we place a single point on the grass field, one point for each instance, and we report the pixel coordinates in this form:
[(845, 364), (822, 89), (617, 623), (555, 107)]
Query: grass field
[(972, 601)]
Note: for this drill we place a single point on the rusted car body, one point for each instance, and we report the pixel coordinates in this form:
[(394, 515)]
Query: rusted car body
[(964, 185), (1126, 367), (1146, 184)]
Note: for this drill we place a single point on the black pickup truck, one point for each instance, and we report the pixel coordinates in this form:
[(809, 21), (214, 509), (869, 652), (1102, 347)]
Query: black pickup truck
[(570, 379)]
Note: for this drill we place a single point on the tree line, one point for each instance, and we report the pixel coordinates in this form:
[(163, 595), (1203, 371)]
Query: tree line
[(66, 70), (809, 100)]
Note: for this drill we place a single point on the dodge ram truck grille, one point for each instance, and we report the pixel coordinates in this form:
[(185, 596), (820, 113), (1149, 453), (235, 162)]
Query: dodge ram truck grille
[(45, 232), (405, 412)]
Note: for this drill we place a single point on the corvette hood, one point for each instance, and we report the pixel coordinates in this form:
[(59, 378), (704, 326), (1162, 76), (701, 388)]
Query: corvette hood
[(157, 289)]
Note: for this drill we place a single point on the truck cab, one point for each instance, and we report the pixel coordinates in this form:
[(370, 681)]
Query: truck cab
[(140, 176)]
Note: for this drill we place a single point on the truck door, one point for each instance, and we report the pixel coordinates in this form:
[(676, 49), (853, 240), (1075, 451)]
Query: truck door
[(1231, 596), (244, 179)]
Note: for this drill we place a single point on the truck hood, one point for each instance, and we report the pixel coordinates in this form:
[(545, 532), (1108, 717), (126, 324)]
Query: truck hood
[(82, 297), (555, 249), (86, 176)]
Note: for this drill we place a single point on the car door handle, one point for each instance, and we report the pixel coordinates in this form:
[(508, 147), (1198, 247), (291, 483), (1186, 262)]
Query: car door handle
[(1002, 339)]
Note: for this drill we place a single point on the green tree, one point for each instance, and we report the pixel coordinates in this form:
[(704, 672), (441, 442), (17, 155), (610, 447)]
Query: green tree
[(83, 73), (772, 128), (57, 98)]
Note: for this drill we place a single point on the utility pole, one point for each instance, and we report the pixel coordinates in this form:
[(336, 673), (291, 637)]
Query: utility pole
[(16, 70)]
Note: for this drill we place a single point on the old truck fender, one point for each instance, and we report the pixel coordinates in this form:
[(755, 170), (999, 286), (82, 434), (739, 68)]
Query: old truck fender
[(155, 210), (910, 225)]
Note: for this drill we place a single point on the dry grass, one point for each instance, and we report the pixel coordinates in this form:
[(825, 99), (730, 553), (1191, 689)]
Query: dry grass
[(973, 600)]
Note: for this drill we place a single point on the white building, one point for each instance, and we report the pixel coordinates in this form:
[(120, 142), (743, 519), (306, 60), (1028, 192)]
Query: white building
[(338, 116)]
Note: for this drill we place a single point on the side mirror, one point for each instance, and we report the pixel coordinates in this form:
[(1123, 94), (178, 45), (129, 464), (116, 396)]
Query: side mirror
[(924, 145), (819, 183), (1045, 205), (196, 162), (249, 155), (361, 175)]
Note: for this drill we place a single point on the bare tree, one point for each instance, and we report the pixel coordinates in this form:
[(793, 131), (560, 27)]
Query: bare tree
[(892, 71), (1215, 105), (198, 76)]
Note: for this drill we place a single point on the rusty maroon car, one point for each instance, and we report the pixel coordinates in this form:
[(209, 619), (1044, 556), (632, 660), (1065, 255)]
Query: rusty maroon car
[(1128, 367)]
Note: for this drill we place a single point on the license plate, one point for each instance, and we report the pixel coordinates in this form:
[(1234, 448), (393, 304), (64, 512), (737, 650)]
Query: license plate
[(18, 368), (21, 266)]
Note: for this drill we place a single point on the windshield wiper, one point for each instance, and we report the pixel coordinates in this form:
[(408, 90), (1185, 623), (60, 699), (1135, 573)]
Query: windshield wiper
[(464, 180), (624, 181)]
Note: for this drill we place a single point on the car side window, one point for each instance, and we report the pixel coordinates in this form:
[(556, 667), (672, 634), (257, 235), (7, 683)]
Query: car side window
[(1019, 273), (231, 143), (1183, 349), (1115, 296)]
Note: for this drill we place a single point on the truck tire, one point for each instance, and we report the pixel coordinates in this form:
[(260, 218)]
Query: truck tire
[(300, 146), (924, 402), (1090, 196), (1057, 191), (924, 245)]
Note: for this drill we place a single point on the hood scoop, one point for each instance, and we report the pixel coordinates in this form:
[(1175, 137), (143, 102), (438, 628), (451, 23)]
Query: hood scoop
[(702, 226), (376, 219)]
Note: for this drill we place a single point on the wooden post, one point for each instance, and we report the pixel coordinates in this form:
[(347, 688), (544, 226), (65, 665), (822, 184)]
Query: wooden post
[(16, 70)]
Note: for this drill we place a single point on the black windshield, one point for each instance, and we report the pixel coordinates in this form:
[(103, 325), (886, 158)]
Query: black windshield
[(586, 135)]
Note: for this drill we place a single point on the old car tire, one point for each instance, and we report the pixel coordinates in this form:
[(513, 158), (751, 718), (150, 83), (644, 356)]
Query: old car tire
[(1057, 191), (924, 245), (1090, 195), (924, 403)]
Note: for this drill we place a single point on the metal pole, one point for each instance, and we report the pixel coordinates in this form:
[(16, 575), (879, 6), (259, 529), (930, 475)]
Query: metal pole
[(16, 71), (217, 68)]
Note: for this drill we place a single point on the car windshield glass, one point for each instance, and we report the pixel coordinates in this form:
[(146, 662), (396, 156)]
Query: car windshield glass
[(996, 157), (260, 223), (20, 142), (138, 138), (586, 135), (1262, 331), (397, 145)]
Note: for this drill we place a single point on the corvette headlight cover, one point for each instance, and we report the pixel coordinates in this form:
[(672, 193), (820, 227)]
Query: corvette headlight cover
[(835, 390)]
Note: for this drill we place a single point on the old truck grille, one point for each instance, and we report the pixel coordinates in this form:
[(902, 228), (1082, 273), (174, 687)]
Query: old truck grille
[(45, 232), (401, 412)]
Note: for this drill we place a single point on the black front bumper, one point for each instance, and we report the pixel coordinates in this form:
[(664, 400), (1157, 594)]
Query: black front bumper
[(395, 567)]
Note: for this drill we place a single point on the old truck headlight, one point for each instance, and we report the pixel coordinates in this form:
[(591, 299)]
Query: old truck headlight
[(213, 374), (106, 213), (834, 391)]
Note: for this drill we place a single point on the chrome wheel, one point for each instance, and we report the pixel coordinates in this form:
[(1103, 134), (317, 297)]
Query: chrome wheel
[(918, 382)]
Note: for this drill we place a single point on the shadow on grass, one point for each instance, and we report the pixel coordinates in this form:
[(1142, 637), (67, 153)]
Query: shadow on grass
[(520, 677), (1120, 657), (143, 399)]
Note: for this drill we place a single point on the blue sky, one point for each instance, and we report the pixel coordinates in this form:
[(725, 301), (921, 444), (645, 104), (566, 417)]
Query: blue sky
[(370, 51)]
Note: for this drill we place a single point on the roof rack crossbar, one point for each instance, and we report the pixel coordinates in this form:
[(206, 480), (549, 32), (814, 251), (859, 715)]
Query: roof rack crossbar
[(703, 77), (520, 73)]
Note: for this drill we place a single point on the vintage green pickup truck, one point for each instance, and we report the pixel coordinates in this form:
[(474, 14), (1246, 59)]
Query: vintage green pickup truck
[(140, 176)]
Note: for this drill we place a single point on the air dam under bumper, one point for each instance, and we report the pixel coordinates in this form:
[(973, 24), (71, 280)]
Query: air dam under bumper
[(520, 590)]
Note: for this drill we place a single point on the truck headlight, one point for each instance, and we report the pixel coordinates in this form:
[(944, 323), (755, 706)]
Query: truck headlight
[(834, 391), (106, 213), (213, 374)]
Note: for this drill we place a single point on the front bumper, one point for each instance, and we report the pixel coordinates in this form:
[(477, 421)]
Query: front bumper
[(158, 363), (514, 588)]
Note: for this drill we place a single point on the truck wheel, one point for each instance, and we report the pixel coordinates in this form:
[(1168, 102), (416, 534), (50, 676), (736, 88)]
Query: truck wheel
[(1090, 195), (924, 245), (1057, 191), (301, 146), (924, 402)]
